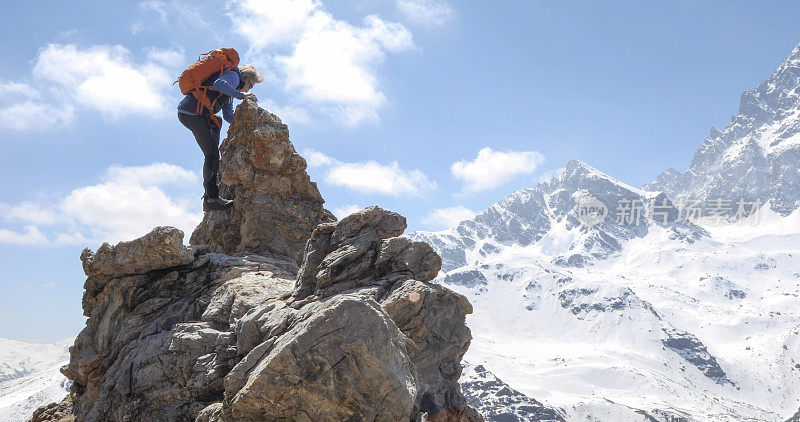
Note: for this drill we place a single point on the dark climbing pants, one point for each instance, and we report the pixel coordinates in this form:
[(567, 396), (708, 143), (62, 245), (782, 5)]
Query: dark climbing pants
[(207, 135)]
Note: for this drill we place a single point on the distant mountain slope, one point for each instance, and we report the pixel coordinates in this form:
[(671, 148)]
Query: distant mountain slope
[(652, 318), (30, 376), (546, 217), (496, 401)]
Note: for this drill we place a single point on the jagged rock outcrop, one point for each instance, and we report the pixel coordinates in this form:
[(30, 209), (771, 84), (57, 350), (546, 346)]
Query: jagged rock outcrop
[(276, 205), (355, 332), (497, 401)]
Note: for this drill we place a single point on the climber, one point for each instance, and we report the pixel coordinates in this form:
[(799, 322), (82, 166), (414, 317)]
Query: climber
[(205, 126)]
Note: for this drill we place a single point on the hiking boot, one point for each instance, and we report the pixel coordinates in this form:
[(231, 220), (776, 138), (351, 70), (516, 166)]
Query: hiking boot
[(216, 204)]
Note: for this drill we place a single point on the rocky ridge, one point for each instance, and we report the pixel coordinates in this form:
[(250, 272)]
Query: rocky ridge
[(274, 312), (665, 293), (754, 158)]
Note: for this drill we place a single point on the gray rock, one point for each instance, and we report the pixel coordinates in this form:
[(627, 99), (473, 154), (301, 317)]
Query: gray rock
[(276, 205), (687, 346), (161, 248), (342, 359), (355, 333), (362, 250), (433, 317)]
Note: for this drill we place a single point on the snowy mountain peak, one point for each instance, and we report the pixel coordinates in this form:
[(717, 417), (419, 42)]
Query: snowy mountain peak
[(572, 220), (588, 306), (755, 156)]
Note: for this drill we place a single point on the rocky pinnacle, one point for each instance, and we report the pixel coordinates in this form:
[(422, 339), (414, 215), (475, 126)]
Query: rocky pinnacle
[(275, 312)]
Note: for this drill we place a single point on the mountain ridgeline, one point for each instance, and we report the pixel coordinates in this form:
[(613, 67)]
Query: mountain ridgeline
[(671, 303), (276, 311)]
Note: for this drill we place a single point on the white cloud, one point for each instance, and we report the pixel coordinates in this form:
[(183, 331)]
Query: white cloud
[(30, 212), (176, 14), (17, 88), (166, 57), (126, 204), (50, 285), (315, 158), (449, 217), (130, 202), (373, 177), (269, 23), (155, 6), (288, 114), (493, 168), (425, 12), (156, 174), (104, 78), (327, 62), (33, 116), (345, 210), (31, 236), (549, 175)]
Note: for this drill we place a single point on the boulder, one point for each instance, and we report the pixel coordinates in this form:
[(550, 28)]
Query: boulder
[(341, 359), (362, 250)]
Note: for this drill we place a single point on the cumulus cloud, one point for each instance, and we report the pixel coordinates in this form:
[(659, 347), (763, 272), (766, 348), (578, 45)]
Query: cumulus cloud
[(448, 217), (30, 212), (328, 62), (36, 116), (166, 57), (105, 78), (345, 210), (30, 236), (371, 176), (185, 14), (425, 12), (315, 158), (288, 114), (126, 204), (157, 6), (20, 89), (493, 168)]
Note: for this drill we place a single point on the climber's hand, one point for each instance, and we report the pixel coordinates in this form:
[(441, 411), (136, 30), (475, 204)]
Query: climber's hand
[(250, 95)]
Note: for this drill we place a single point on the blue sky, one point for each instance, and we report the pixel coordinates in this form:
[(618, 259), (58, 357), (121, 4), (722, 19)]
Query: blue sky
[(432, 108)]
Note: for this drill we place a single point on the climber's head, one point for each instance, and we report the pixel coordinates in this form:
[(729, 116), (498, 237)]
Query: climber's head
[(250, 77)]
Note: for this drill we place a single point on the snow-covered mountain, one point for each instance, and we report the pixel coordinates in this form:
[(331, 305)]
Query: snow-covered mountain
[(30, 377), (643, 310), (756, 156)]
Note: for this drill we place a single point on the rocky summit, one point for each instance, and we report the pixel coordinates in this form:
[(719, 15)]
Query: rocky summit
[(276, 204), (275, 312)]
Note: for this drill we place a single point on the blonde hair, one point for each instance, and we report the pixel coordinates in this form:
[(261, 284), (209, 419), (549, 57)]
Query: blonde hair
[(250, 72)]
